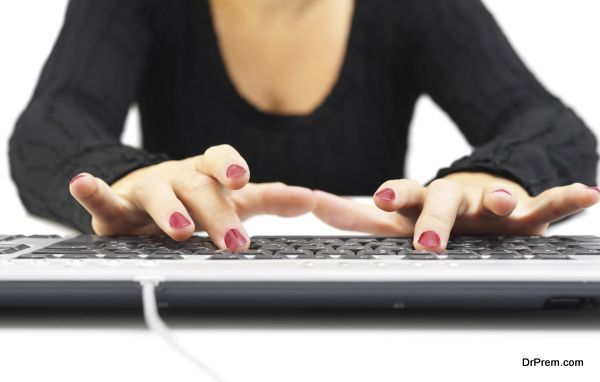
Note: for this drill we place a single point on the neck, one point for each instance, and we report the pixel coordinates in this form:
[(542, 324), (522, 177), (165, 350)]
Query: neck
[(266, 9)]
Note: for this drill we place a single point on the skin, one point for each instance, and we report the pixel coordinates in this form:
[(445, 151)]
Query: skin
[(284, 57)]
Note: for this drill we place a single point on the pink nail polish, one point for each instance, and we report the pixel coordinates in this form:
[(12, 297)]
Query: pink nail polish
[(503, 190), (234, 239), (594, 188), (177, 220), (235, 171), (76, 177), (429, 239), (386, 194)]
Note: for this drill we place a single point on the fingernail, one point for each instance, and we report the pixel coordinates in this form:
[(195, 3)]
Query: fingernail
[(594, 188), (386, 194), (235, 171), (76, 177), (177, 220), (234, 239), (503, 190), (429, 239)]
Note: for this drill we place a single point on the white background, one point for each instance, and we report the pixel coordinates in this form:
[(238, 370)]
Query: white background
[(559, 39)]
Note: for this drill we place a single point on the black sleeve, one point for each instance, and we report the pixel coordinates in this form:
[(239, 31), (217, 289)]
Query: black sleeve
[(75, 118), (518, 129)]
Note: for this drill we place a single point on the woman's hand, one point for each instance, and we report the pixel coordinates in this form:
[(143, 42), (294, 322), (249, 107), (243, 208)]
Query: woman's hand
[(461, 203), (208, 192)]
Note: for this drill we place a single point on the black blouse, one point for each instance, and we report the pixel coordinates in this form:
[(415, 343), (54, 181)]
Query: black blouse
[(164, 55)]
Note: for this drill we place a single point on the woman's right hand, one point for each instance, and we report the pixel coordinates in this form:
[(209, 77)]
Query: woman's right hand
[(209, 192)]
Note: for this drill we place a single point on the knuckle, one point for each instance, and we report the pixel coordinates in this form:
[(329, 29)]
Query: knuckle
[(413, 183), (144, 187), (408, 183), (167, 165), (196, 184), (445, 184), (225, 146), (214, 150)]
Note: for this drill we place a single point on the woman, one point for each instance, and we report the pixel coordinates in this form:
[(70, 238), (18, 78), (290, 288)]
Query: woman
[(317, 93)]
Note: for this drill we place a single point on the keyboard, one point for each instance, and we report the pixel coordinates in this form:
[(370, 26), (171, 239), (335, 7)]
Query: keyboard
[(494, 272), (282, 248)]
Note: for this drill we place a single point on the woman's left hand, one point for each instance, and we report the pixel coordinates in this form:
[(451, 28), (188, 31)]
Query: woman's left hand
[(462, 203)]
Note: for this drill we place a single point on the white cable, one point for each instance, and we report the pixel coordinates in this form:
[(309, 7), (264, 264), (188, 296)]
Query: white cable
[(157, 325)]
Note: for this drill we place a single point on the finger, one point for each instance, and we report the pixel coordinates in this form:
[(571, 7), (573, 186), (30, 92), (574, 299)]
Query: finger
[(497, 200), (97, 198), (397, 194), (559, 202), (225, 164), (157, 198), (346, 214), (444, 200), (273, 198), (205, 200)]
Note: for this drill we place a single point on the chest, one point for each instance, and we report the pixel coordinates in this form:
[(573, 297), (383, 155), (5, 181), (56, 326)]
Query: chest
[(287, 62)]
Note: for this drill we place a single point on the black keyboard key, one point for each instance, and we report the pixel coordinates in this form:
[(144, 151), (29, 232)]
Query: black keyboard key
[(336, 253), (462, 255), (202, 249), (42, 236), (121, 256), (331, 242), (35, 256), (422, 255), (126, 252), (590, 239), (592, 247), (391, 248), (66, 251), (354, 248), (311, 247), (271, 246), (507, 256), (156, 256), (402, 242), (362, 240), (282, 239), (293, 254), (162, 252), (147, 250), (77, 256), (201, 253), (585, 252), (551, 256), (224, 256), (377, 252), (248, 254), (110, 248), (67, 246), (10, 237)]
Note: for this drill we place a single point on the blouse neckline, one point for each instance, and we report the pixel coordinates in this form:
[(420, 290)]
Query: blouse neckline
[(261, 118)]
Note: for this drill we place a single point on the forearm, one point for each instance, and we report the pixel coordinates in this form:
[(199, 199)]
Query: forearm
[(538, 149), (54, 141)]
